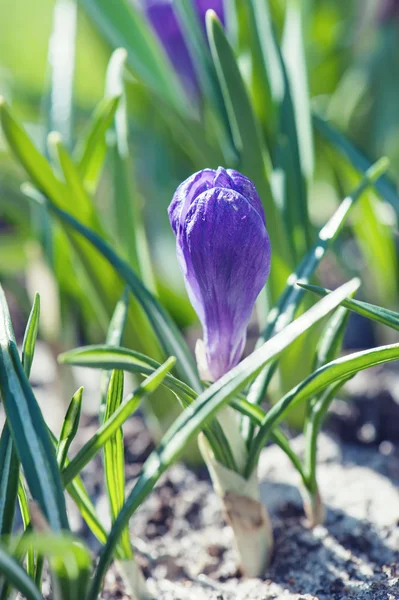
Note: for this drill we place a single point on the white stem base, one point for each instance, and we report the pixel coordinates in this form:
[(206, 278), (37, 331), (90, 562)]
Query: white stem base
[(314, 508), (134, 579), (248, 517)]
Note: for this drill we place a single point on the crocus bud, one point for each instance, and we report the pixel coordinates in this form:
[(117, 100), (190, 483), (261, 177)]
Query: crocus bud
[(224, 252), (167, 28)]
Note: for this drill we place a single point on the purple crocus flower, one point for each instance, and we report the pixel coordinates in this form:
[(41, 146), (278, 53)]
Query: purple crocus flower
[(224, 252), (165, 24), (387, 11)]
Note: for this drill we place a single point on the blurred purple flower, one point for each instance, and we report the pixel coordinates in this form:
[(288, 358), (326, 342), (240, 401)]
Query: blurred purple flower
[(164, 21), (224, 252), (388, 10)]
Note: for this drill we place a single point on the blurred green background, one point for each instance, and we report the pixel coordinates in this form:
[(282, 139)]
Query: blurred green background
[(352, 57)]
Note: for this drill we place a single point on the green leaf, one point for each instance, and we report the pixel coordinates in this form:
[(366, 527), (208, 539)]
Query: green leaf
[(196, 42), (69, 559), (293, 156), (85, 209), (114, 463), (256, 414), (114, 338), (340, 369), (28, 428), (130, 228), (29, 341), (248, 141), (165, 329), (201, 411), (58, 104), (313, 427), (108, 357), (17, 576), (33, 162), (330, 341), (25, 515), (284, 311), (382, 315), (383, 185), (108, 429), (91, 149), (124, 26), (69, 428), (9, 475), (294, 57)]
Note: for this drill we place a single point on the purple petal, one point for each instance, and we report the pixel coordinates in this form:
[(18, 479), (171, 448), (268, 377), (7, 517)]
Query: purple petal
[(224, 252), (185, 194), (244, 186), (167, 28)]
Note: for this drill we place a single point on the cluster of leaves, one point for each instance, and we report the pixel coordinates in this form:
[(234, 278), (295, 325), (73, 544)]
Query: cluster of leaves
[(261, 125)]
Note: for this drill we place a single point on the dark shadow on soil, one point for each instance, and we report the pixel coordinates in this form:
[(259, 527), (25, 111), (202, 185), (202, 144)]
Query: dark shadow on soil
[(325, 561)]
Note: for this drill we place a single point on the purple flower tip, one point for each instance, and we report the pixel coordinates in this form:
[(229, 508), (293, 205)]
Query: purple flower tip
[(166, 26), (224, 252)]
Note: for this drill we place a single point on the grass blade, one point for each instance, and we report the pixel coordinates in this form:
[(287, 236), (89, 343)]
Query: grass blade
[(114, 338), (69, 428), (107, 357), (91, 149), (17, 576), (9, 475), (294, 57), (382, 315), (124, 26), (108, 429), (29, 341), (69, 559), (289, 149), (129, 222), (25, 515), (248, 141), (87, 212), (28, 428), (328, 374), (198, 48), (292, 296), (114, 463), (329, 133)]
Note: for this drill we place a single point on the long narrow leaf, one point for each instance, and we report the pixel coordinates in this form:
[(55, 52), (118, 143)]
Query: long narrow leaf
[(124, 26), (9, 475), (328, 132), (382, 315), (248, 141), (114, 338), (107, 357), (289, 301), (28, 429), (91, 149), (17, 576), (114, 463), (29, 341), (69, 427), (340, 369), (108, 429)]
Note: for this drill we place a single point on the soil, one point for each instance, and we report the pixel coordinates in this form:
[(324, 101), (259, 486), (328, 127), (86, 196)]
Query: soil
[(185, 547)]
